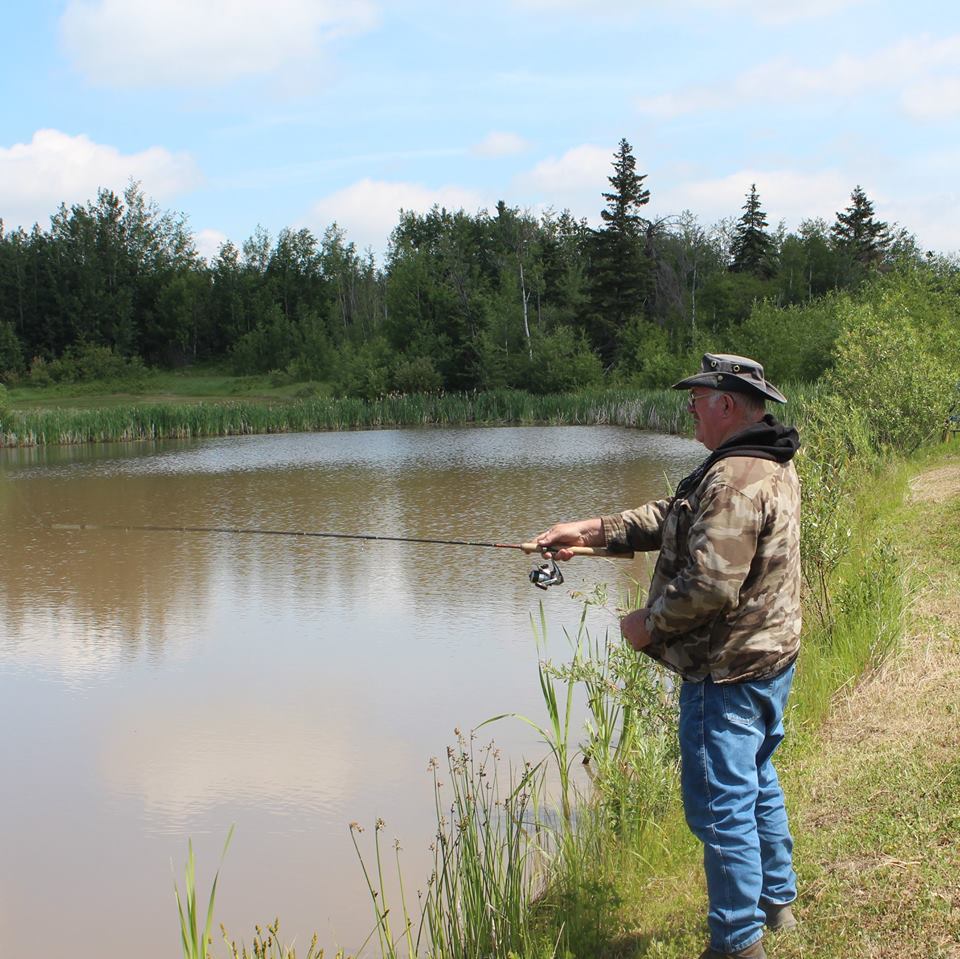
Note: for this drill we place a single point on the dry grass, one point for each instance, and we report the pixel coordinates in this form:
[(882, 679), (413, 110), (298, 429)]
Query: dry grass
[(936, 485)]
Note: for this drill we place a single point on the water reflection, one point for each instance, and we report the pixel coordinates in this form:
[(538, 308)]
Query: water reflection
[(298, 755), (166, 685)]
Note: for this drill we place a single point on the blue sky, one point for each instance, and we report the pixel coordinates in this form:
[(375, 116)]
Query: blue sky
[(299, 113)]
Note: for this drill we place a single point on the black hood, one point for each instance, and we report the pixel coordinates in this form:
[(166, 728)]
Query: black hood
[(766, 439)]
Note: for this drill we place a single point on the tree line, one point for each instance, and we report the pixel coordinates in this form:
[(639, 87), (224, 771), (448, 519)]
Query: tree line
[(462, 301)]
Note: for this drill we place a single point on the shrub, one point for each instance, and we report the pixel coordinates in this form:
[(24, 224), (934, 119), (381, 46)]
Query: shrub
[(835, 457), (362, 371), (270, 345), (562, 360), (795, 343), (416, 375), (86, 362), (39, 372), (314, 353), (647, 360), (886, 368)]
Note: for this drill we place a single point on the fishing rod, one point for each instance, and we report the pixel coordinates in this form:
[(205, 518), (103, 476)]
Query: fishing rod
[(547, 574)]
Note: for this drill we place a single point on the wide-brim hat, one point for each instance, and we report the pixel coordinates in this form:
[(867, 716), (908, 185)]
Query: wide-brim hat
[(732, 374)]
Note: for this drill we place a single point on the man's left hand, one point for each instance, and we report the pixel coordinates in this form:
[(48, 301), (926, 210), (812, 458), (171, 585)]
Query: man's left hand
[(633, 626)]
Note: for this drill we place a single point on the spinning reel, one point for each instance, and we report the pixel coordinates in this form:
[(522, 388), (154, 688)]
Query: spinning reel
[(546, 574)]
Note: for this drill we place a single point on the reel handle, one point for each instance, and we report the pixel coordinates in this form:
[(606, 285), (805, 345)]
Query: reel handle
[(581, 551)]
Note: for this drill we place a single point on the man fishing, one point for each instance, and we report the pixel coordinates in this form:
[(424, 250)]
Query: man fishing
[(723, 611)]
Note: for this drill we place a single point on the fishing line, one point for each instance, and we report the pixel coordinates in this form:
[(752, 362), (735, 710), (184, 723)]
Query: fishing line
[(245, 531), (542, 576)]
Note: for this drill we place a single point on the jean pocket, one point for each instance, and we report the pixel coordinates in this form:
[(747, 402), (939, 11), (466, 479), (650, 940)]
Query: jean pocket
[(739, 706)]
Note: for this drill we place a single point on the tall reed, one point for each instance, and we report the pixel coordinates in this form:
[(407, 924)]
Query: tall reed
[(479, 896), (660, 410), (193, 941)]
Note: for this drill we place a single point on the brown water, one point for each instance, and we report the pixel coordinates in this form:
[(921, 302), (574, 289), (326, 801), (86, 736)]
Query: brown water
[(159, 686)]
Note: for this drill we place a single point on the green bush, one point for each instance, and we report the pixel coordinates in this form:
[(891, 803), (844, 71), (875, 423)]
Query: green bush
[(833, 462), (647, 359), (362, 371), (39, 374), (270, 345), (416, 374), (894, 364), (562, 360), (793, 343), (86, 363)]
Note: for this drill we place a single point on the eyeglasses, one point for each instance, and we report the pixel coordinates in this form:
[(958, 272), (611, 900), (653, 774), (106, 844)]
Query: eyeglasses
[(693, 397)]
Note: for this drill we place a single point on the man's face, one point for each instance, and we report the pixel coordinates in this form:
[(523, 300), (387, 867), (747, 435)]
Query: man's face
[(706, 407)]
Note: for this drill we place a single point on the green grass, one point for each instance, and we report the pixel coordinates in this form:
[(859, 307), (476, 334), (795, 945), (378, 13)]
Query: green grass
[(177, 406), (656, 410), (877, 801), (159, 386)]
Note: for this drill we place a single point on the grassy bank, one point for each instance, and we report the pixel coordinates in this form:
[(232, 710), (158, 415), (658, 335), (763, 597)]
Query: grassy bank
[(52, 419), (870, 764), (876, 801), (655, 410)]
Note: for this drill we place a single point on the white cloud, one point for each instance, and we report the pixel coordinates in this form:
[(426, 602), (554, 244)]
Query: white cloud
[(932, 218), (55, 168), (921, 69), (368, 209), (208, 243), (572, 181), (186, 43), (780, 11), (499, 144), (212, 753), (578, 167), (935, 99), (666, 106), (784, 195), (766, 11)]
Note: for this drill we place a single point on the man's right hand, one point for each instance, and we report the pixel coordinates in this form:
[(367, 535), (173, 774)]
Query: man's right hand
[(588, 532)]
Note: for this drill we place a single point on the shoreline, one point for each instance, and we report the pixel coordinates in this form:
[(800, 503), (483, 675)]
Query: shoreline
[(659, 410)]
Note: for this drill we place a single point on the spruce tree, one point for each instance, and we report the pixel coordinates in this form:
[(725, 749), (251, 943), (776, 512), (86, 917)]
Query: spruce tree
[(619, 273), (752, 248), (865, 239)]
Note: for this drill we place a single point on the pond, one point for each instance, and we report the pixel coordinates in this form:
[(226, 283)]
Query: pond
[(156, 686)]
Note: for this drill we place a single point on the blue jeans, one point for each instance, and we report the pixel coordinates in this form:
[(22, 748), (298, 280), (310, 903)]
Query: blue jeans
[(733, 801)]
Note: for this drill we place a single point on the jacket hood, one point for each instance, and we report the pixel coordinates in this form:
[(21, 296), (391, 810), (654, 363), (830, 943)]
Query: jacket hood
[(766, 439)]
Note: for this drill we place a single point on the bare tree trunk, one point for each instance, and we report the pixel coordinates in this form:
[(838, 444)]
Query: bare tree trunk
[(526, 319), (693, 306)]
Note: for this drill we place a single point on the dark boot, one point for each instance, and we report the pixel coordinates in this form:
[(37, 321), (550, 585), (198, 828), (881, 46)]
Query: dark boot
[(753, 951), (780, 917)]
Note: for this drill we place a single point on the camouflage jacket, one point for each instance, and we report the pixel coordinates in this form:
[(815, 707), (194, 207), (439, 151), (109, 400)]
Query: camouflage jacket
[(725, 595)]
